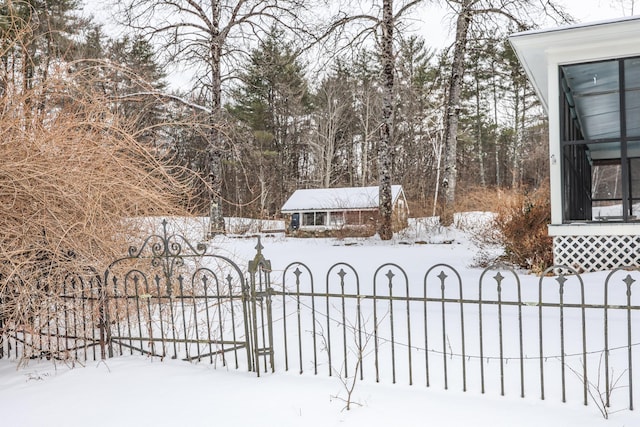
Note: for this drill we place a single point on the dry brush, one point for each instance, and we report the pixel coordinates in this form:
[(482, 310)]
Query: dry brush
[(73, 183)]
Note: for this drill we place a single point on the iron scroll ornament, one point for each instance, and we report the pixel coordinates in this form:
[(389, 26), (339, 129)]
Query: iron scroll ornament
[(167, 250)]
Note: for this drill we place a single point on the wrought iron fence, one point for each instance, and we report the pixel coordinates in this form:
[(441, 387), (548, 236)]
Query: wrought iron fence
[(60, 326), (485, 333), (554, 337)]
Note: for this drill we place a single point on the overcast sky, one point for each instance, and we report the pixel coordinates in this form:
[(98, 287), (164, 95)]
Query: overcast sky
[(582, 10), (438, 30), (595, 10), (434, 26)]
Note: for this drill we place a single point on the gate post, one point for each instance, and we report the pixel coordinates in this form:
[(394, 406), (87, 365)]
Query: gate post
[(260, 324)]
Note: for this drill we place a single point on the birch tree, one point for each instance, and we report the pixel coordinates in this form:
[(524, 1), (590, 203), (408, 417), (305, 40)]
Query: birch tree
[(210, 37), (356, 27), (384, 149)]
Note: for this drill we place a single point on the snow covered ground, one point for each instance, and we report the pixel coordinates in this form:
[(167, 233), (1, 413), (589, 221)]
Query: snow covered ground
[(136, 390)]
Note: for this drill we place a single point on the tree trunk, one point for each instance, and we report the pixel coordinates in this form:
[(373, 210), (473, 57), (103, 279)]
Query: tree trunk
[(517, 132), (479, 148), (216, 218), (495, 123), (384, 151), (452, 112), (364, 179)]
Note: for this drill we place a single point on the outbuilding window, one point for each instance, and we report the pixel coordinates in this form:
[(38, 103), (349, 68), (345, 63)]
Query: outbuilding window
[(336, 218), (600, 140), (314, 218)]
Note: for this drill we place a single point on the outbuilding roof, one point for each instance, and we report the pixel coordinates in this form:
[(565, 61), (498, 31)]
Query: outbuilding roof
[(346, 198)]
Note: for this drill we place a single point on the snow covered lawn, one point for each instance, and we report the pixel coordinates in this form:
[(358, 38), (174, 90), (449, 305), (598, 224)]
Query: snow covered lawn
[(136, 391), (141, 391)]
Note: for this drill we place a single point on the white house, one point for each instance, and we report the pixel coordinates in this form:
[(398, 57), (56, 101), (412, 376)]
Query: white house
[(588, 79), (338, 208)]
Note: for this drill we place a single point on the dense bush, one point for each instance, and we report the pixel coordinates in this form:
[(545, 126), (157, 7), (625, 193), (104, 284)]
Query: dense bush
[(520, 226), (71, 176)]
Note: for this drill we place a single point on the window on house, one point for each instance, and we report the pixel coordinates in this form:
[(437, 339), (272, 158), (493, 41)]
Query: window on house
[(314, 218), (336, 218), (600, 139), (308, 218)]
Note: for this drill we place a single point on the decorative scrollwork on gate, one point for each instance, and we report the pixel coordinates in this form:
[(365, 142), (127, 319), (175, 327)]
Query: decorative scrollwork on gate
[(170, 298), (167, 251)]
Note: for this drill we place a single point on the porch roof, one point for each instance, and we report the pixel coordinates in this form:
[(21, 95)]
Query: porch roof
[(534, 47)]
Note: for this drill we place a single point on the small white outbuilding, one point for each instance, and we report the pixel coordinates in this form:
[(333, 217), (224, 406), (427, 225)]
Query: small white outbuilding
[(587, 77), (325, 209)]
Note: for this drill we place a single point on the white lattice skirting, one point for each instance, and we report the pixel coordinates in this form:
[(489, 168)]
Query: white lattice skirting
[(596, 253)]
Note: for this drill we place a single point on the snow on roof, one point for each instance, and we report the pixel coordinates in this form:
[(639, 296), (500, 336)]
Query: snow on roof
[(346, 198)]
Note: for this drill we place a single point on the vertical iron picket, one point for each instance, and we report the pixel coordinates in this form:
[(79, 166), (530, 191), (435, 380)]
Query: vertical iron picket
[(442, 301), (205, 296), (297, 273), (375, 333), (67, 312), (629, 281), (161, 316), (297, 297), (342, 273), (328, 331), (313, 324), (117, 317), (540, 333), (220, 319), (149, 319), (137, 296), (234, 336), (185, 327), (561, 281), (390, 276), (498, 278), (442, 276), (194, 300), (127, 312), (426, 331)]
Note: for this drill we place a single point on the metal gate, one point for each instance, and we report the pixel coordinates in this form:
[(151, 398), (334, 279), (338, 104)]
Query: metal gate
[(167, 298), (170, 298)]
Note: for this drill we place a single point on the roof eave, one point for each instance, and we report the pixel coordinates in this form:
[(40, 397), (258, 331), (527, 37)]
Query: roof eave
[(533, 47)]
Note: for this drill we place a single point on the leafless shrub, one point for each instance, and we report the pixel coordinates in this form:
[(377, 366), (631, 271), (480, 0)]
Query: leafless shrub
[(71, 175), (600, 390), (520, 226)]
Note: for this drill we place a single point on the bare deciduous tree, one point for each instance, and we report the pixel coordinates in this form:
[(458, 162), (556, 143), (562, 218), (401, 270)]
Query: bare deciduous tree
[(333, 122), (380, 21), (482, 14), (209, 37), (384, 148)]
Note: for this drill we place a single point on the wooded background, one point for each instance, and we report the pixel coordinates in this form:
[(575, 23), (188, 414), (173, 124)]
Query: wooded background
[(299, 94)]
